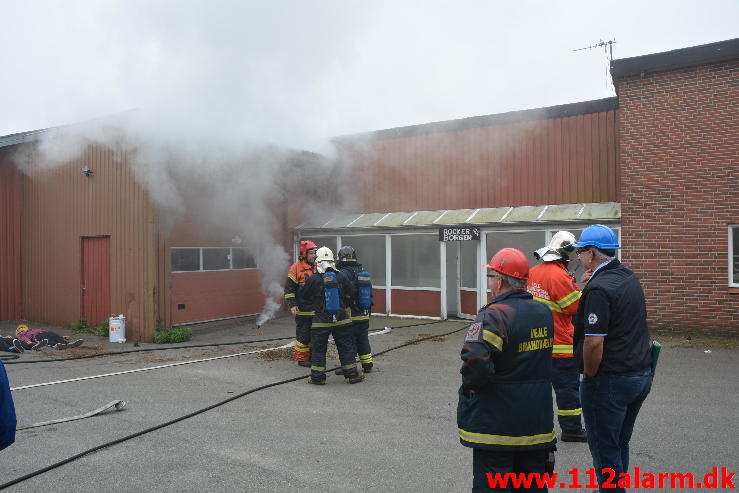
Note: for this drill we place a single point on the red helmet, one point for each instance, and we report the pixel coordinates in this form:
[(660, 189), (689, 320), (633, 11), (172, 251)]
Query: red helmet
[(306, 245), (510, 262)]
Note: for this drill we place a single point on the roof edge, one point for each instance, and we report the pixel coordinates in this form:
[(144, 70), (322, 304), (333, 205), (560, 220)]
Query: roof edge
[(719, 51), (545, 113)]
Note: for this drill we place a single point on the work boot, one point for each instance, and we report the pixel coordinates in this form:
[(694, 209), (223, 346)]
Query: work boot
[(574, 435), (339, 371), (316, 382), (356, 378), (367, 367), (76, 343), (60, 346), (39, 344), (304, 364), (18, 346)]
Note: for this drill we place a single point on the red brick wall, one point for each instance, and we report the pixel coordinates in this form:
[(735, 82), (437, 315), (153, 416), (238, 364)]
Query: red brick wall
[(678, 148)]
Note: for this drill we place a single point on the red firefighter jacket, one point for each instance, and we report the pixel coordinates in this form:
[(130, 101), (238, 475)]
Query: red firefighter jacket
[(298, 273), (551, 284)]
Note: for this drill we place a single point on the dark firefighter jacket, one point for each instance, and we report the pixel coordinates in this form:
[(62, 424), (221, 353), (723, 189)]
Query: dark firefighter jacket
[(296, 277), (505, 401), (312, 292), (351, 271)]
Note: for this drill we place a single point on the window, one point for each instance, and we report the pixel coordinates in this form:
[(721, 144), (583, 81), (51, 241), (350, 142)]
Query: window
[(327, 241), (468, 263), (185, 259), (189, 259), (242, 259), (371, 254), (734, 255), (416, 261), (526, 241), (216, 258)]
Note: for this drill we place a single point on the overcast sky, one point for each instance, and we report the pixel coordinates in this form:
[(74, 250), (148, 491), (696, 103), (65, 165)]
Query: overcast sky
[(298, 72)]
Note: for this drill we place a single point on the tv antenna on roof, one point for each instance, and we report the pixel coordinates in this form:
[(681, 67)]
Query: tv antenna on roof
[(607, 49)]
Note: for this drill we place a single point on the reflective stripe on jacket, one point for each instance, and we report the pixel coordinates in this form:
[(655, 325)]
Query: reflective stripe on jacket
[(551, 284), (505, 401), (298, 273)]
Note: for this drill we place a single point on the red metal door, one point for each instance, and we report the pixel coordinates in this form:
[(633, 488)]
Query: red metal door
[(95, 282)]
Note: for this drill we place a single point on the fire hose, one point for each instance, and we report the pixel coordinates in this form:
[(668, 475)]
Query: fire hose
[(203, 410)]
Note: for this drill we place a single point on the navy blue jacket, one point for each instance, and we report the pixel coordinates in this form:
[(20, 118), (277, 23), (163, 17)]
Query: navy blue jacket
[(7, 411), (505, 401), (312, 292), (613, 306)]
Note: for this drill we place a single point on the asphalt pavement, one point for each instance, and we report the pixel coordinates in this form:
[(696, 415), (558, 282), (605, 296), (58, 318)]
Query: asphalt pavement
[(394, 432)]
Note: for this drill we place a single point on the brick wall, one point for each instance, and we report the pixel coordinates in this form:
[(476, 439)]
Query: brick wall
[(678, 152)]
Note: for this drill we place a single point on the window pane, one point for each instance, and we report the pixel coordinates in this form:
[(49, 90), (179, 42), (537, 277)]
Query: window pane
[(329, 241), (415, 261), (468, 263), (526, 241), (370, 253), (216, 258), (185, 259), (242, 259)]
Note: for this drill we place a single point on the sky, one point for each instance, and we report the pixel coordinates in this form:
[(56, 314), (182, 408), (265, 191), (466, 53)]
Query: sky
[(297, 73)]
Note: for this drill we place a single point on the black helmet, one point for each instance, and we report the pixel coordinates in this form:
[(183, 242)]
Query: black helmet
[(347, 255)]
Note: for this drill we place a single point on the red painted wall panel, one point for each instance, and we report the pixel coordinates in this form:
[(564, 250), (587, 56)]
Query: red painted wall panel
[(416, 302), (506, 164), (378, 300), (217, 294), (11, 304), (468, 301)]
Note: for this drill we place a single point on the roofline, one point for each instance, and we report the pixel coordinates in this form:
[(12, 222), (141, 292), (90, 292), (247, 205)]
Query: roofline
[(20, 138), (549, 112), (720, 51)]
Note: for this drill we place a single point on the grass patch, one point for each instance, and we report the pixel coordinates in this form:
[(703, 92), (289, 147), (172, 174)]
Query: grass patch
[(82, 326), (172, 336)]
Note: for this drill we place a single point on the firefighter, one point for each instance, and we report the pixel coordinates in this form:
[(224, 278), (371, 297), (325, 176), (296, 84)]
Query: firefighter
[(505, 402), (330, 295), (349, 267), (551, 283), (296, 277)]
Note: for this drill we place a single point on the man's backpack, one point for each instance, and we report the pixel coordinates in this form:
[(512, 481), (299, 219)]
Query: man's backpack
[(364, 290), (331, 294)]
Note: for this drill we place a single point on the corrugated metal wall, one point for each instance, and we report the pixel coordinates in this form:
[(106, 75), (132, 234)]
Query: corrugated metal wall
[(10, 240), (61, 205), (561, 160)]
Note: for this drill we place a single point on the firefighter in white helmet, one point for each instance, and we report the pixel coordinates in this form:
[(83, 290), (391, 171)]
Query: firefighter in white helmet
[(330, 295), (551, 283)]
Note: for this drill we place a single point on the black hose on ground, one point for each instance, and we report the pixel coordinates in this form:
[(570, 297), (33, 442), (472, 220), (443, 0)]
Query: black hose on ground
[(129, 351), (203, 410)]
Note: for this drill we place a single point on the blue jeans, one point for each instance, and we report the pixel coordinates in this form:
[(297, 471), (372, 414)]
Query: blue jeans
[(610, 404)]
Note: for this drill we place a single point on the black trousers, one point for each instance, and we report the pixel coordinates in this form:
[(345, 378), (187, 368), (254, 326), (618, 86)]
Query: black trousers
[(566, 383), (344, 339), (361, 341), (486, 461)]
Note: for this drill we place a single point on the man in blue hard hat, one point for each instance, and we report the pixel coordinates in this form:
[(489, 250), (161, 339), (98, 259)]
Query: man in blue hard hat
[(612, 344)]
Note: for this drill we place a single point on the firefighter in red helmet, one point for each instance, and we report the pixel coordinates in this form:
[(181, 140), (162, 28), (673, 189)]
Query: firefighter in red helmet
[(505, 402), (551, 284), (298, 273)]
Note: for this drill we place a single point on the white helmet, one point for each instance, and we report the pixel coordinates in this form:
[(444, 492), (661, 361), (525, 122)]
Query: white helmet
[(324, 259), (559, 247)]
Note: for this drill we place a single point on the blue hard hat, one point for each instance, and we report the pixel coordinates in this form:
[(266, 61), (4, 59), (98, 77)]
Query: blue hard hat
[(598, 236)]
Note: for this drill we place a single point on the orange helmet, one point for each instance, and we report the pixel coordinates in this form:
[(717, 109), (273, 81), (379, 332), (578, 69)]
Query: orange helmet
[(510, 262), (306, 245)]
